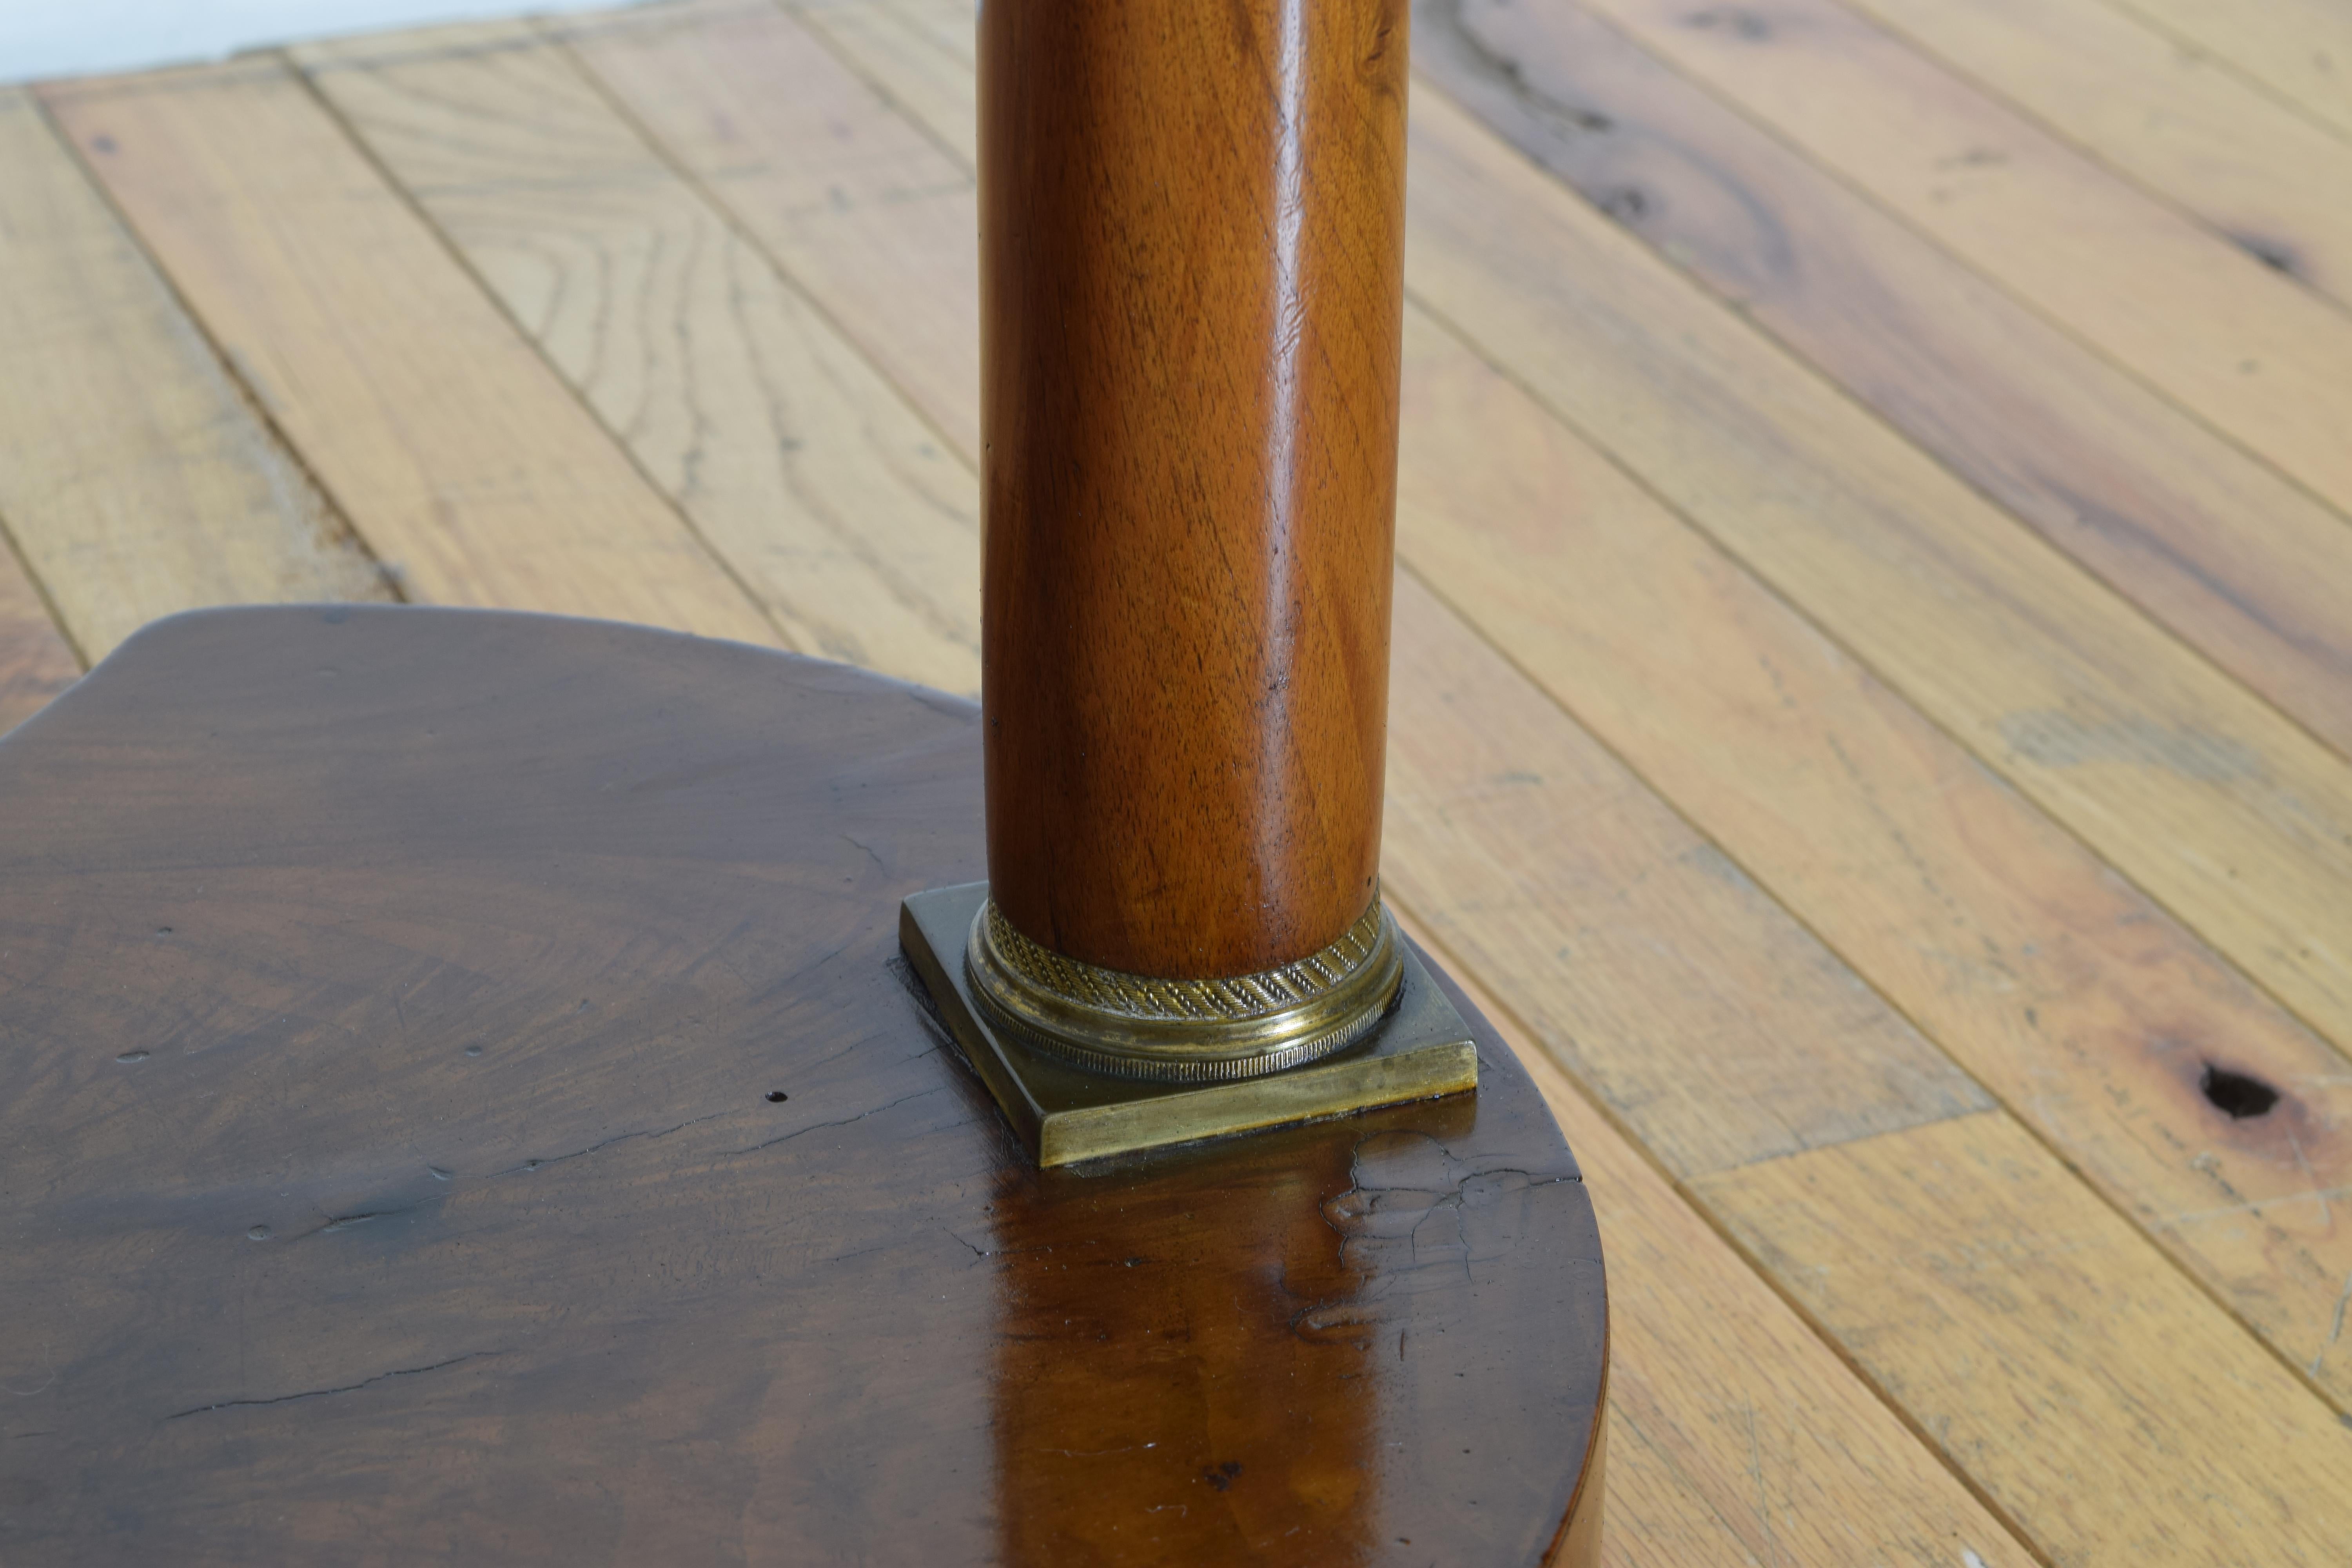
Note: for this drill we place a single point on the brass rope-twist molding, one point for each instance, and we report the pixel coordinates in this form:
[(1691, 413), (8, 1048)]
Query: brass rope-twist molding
[(1187, 1031)]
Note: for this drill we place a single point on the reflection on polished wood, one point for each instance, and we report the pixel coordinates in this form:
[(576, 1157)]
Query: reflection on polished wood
[(475, 1114), (1191, 277)]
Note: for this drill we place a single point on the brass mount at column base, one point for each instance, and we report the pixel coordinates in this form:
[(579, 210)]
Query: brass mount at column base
[(1185, 1031), (1420, 1049)]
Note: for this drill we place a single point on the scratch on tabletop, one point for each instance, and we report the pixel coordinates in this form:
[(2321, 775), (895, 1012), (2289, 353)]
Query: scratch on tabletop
[(821, 1126), (48, 1357), (344, 1388), (542, 1162)]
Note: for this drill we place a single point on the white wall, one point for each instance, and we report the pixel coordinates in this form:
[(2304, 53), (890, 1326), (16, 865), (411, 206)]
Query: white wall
[(76, 37)]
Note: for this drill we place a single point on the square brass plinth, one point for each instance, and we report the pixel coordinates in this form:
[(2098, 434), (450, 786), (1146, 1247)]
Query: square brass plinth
[(1421, 1050)]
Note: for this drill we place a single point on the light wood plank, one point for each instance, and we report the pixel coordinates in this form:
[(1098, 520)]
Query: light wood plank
[(2233, 818), (1713, 1026), (2213, 543), (803, 468), (35, 660), (1736, 1437), (2182, 126), (2029, 1329), (929, 47), (455, 452), (856, 211), (2301, 49), (132, 474), (2253, 352), (2082, 1004)]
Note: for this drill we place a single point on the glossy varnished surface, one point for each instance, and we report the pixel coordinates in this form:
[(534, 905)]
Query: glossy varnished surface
[(393, 1003), (1191, 274)]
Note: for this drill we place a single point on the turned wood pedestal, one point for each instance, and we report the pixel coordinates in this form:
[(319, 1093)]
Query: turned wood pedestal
[(461, 1099)]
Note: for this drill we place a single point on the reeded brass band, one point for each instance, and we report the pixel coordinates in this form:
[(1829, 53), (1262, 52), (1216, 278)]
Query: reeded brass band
[(1186, 1030)]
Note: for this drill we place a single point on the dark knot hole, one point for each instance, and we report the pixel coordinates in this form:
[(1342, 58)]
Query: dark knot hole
[(2235, 1095)]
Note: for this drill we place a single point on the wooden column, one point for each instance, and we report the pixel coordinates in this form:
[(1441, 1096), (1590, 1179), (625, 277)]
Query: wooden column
[(1191, 224)]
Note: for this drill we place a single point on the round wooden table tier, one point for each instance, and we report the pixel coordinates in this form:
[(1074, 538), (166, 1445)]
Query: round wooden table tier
[(461, 1099)]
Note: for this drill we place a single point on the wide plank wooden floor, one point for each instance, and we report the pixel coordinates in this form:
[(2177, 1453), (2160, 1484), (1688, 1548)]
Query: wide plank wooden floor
[(1873, 694)]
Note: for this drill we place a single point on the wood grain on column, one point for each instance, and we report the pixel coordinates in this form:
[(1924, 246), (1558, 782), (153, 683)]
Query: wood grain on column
[(1192, 290)]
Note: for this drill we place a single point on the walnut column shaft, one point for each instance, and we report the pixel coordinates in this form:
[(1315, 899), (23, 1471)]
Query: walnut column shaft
[(1192, 222)]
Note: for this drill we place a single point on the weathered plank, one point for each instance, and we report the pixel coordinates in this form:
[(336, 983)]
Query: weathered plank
[(1717, 1030), (799, 464), (2230, 816), (457, 455), (2256, 354), (854, 203), (2299, 50), (2089, 1012), (133, 475), (2035, 1337), (2214, 542), (918, 54), (2082, 1004), (2176, 122), (1736, 1437)]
